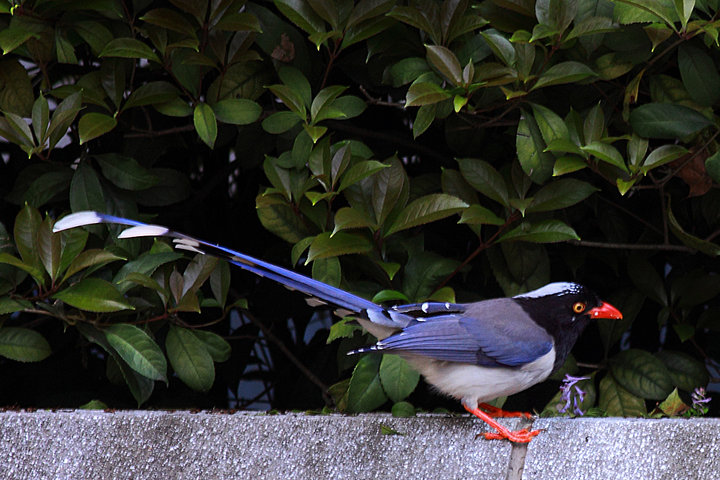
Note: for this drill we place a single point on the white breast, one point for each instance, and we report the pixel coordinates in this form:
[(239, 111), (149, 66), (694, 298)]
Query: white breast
[(472, 384)]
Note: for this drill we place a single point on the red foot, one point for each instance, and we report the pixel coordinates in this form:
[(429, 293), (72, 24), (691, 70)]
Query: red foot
[(519, 436), (496, 412)]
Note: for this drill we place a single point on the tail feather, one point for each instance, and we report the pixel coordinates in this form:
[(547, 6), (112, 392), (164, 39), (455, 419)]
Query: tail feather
[(327, 293)]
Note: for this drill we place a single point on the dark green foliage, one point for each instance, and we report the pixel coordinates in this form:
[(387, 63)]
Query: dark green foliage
[(450, 150)]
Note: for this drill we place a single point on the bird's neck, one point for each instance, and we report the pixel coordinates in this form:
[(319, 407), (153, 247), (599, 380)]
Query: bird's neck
[(565, 333)]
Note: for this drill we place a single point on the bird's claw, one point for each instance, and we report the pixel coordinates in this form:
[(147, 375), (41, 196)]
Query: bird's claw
[(496, 412), (518, 436)]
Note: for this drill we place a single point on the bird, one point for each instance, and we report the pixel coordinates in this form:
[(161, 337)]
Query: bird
[(474, 352)]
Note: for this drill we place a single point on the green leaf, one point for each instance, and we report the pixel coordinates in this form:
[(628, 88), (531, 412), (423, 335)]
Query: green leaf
[(564, 72), (92, 125), (618, 402), (218, 348), (220, 283), (280, 122), (406, 71), (348, 217), (90, 258), (291, 98), (550, 124), (170, 19), (699, 74), (390, 296), (665, 120), (237, 111), (141, 387), (125, 172), (445, 61), (345, 328), (425, 93), (546, 231), (86, 193), (138, 349), (301, 14), (403, 410), (686, 372), (23, 345), (360, 171), (152, 93), (708, 248), (327, 270), (663, 155), (479, 215), (591, 26), (501, 47), (641, 374), (341, 243), (321, 107), (11, 305), (484, 178), (94, 295), (568, 164), (424, 118), (27, 225), (190, 359), (534, 160), (49, 248), (557, 14), (673, 405), (426, 209), (63, 116), (349, 105), (414, 16), (126, 47), (712, 166), (40, 118), (594, 124), (607, 153), (205, 123), (365, 392), (398, 379), (560, 194), (36, 272)]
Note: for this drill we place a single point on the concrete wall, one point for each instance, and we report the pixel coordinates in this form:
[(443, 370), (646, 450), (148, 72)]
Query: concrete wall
[(182, 445)]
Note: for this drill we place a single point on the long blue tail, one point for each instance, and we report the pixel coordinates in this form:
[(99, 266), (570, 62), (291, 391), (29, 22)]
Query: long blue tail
[(322, 291)]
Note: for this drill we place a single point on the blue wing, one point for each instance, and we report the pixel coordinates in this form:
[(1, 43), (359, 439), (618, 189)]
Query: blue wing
[(492, 333)]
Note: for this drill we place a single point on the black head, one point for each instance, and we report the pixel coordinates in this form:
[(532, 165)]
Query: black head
[(564, 310)]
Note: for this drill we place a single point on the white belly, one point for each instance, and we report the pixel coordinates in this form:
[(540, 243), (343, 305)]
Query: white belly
[(472, 384)]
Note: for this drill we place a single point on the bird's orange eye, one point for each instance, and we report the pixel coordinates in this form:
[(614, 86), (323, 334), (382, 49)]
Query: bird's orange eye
[(579, 307)]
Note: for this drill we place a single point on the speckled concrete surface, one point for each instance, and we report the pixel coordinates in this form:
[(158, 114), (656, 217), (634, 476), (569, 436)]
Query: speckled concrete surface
[(625, 448), (181, 445)]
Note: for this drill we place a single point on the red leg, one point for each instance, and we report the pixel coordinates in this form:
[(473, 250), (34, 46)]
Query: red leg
[(496, 412), (518, 436)]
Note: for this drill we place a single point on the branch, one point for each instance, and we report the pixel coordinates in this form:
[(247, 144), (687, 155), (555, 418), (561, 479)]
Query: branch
[(151, 134), (291, 356), (633, 246)]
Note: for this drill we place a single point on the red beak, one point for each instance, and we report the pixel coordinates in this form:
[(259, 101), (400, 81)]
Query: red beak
[(605, 310)]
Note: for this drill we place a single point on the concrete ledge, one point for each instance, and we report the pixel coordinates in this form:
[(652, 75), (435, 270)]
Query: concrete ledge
[(182, 445)]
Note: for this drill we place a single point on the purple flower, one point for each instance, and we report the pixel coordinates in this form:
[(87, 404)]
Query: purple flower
[(700, 401), (572, 395)]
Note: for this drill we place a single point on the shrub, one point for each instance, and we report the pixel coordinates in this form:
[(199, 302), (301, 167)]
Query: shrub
[(406, 151)]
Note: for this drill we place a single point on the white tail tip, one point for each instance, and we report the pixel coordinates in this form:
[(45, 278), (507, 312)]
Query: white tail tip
[(78, 219)]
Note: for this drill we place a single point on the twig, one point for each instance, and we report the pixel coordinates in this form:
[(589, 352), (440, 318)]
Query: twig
[(291, 356), (151, 134), (633, 246), (376, 101)]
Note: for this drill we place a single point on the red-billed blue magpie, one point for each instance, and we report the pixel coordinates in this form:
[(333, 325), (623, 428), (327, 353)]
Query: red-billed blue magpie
[(474, 352)]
